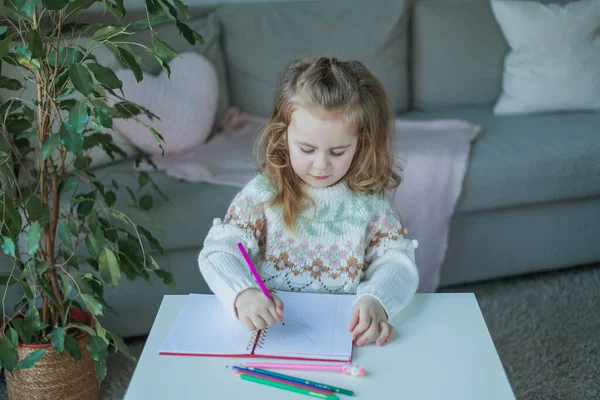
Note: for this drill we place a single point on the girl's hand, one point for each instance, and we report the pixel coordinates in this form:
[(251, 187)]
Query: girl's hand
[(256, 311), (369, 322)]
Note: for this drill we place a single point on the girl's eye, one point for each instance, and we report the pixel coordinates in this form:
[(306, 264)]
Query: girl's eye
[(306, 151), (337, 154)]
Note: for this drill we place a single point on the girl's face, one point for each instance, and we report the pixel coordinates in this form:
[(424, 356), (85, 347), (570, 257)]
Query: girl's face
[(321, 146)]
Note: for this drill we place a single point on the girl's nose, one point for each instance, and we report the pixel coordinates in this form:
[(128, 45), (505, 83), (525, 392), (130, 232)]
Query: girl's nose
[(320, 162)]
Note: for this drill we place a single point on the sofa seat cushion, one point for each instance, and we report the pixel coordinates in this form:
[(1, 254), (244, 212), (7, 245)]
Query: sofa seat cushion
[(521, 160)]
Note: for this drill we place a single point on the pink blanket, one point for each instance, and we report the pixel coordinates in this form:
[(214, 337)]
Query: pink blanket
[(434, 155)]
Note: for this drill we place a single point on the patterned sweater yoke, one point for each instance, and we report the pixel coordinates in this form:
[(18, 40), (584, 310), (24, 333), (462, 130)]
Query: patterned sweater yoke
[(345, 242)]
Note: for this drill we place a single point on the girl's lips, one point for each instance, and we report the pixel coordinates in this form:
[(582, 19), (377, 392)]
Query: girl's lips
[(320, 177)]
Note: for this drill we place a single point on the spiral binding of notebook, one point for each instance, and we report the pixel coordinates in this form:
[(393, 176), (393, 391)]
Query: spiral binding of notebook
[(257, 338)]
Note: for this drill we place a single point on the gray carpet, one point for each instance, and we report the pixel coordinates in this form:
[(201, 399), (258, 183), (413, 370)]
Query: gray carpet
[(546, 328)]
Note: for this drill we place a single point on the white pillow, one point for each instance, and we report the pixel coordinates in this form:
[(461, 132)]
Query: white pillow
[(554, 61), (186, 104)]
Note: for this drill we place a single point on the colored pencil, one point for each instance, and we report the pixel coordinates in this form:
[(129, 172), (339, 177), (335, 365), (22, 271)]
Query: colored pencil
[(306, 381), (346, 369), (284, 381), (290, 388), (255, 273)]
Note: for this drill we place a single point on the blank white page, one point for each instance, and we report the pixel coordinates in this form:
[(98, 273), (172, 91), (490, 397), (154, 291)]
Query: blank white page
[(204, 327), (316, 326)]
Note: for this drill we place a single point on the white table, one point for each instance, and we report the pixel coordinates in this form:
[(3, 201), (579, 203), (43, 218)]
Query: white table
[(442, 350)]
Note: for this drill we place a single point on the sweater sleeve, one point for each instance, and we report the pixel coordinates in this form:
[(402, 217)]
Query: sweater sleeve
[(222, 265), (391, 274)]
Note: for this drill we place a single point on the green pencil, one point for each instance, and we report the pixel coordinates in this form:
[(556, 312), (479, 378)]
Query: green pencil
[(286, 387), (300, 380)]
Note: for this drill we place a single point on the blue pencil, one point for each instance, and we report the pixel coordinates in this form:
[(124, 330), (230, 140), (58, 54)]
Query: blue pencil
[(283, 378)]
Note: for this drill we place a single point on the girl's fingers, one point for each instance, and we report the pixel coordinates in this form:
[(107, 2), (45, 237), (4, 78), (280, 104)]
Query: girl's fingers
[(258, 322), (384, 334), (278, 307), (369, 335), (364, 322), (248, 323), (353, 319), (391, 335), (269, 316)]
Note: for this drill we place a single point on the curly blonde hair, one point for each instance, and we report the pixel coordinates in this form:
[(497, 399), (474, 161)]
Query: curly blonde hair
[(334, 86)]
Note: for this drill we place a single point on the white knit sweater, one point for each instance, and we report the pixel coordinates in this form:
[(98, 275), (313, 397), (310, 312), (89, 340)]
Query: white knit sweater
[(349, 243)]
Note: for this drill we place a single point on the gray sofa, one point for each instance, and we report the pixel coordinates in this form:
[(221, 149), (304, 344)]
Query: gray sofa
[(531, 198)]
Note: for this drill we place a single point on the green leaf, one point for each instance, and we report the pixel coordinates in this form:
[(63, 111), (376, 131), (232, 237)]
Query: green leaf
[(92, 303), (128, 109), (189, 34), (55, 5), (50, 145), (5, 46), (151, 240), (154, 20), (79, 117), (34, 41), (81, 78), (32, 321), (78, 5), (72, 227), (185, 10), (29, 7), (26, 290), (71, 139), (98, 348), (166, 277), (18, 323), (105, 76), (130, 61), (63, 234), (103, 117), (57, 338), (14, 337), (120, 345), (66, 58), (109, 32), (10, 84), (146, 202), (86, 204), (83, 163), (33, 238), (72, 347), (110, 198), (67, 185), (10, 217), (42, 267), (163, 49), (31, 359), (3, 29), (8, 246), (109, 267), (100, 369), (8, 353), (67, 285)]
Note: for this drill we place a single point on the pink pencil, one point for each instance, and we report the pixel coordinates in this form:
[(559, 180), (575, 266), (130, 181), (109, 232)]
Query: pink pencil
[(350, 369), (255, 273)]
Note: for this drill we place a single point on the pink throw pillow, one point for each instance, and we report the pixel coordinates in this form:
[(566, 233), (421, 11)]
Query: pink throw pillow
[(186, 104)]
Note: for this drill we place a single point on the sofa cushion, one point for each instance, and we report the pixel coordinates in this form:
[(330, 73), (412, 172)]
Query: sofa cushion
[(554, 61), (520, 160), (210, 29), (457, 54), (261, 39)]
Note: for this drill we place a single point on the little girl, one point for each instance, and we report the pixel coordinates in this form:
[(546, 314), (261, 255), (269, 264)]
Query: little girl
[(317, 217)]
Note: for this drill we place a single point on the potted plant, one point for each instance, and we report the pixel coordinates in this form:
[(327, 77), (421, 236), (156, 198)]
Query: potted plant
[(61, 227)]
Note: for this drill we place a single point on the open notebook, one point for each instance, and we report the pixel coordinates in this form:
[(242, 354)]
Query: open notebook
[(316, 328)]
